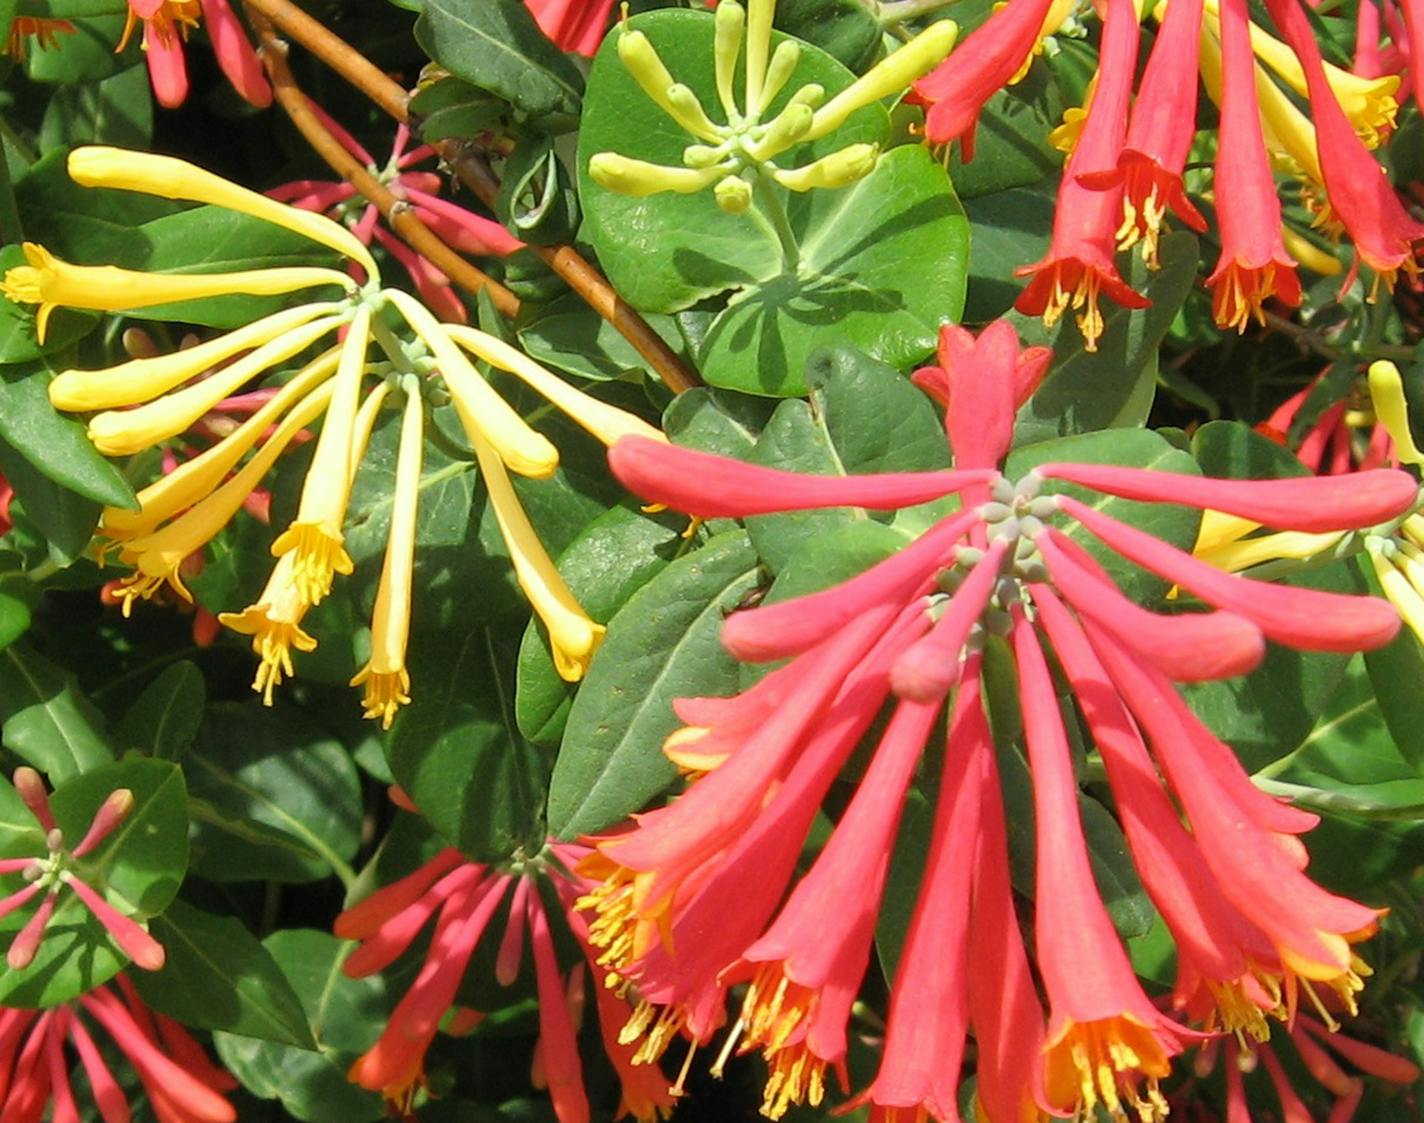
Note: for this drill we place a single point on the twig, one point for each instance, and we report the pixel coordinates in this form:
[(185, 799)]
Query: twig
[(1307, 339), (394, 209), (472, 170)]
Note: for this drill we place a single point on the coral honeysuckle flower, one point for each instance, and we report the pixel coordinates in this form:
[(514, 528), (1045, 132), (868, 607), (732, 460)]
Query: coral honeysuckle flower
[(1079, 266), (691, 898), (1254, 265), (457, 227), (59, 868), (575, 25), (148, 400), (166, 24), (38, 1050), (42, 29), (464, 896)]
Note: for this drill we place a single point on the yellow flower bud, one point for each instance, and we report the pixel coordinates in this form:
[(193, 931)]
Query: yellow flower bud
[(52, 283), (604, 421), (889, 76), (731, 21), (1400, 591), (122, 432), (759, 17), (733, 194), (1310, 255), (1387, 390), (687, 111), (784, 61), (573, 637), (141, 380), (787, 128), (639, 178), (836, 170), (482, 411), (643, 63), (171, 178)]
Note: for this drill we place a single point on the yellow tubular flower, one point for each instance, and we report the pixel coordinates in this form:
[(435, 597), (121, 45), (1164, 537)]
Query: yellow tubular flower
[(315, 536), (157, 556), (1368, 102), (890, 76), (839, 169), (1397, 587), (1308, 254), (195, 478), (647, 68), (1217, 528), (384, 676), (274, 623), (52, 283), (1387, 390), (482, 411), (1294, 544), (141, 380), (365, 424), (604, 421), (759, 17), (640, 178), (126, 431), (727, 44), (170, 178), (573, 637)]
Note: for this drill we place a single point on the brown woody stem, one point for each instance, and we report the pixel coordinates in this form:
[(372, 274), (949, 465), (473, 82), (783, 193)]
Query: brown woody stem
[(474, 171), (396, 212)]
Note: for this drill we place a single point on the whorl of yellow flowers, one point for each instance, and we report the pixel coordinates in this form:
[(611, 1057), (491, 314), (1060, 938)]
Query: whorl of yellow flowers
[(318, 374)]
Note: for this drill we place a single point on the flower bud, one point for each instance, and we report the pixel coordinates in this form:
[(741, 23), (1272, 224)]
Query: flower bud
[(788, 127), (1387, 390), (836, 170), (733, 194), (915, 59), (731, 21), (638, 177)]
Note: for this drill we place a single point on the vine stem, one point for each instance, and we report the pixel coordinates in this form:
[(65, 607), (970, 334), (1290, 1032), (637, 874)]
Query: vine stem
[(770, 205), (395, 210), (472, 169)]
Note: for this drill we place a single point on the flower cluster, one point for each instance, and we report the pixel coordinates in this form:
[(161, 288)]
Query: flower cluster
[(1125, 171), (166, 24), (144, 402), (182, 1085), (693, 899), (464, 898), (457, 227), (59, 868), (737, 158)]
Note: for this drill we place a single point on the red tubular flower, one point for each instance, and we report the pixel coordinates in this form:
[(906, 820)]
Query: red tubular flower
[(182, 1085), (1254, 265), (166, 24), (1159, 136), (955, 91), (42, 29), (575, 25), (688, 895), (1361, 196), (1079, 265)]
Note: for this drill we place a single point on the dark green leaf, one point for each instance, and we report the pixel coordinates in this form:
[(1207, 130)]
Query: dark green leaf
[(1010, 148), (663, 644), (452, 108), (116, 110), (44, 719), (86, 56), (65, 518), (570, 336), (717, 420), (164, 719), (218, 976), (845, 29)]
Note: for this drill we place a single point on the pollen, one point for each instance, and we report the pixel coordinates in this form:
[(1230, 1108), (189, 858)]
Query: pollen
[(319, 557), (1105, 1062)]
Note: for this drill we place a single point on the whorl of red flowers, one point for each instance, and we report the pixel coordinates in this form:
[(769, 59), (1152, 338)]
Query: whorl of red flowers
[(694, 898)]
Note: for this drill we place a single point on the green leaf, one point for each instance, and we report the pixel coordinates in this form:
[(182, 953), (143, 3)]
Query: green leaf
[(453, 108), (666, 252), (1395, 671), (18, 343), (497, 46), (116, 110), (164, 719), (45, 720), (347, 1016), (138, 868), (845, 29), (65, 518), (1011, 228), (273, 797), (617, 554), (884, 260), (14, 613), (663, 644), (1113, 871), (1010, 146), (1112, 386), (456, 752), (720, 421), (570, 336), (86, 56), (56, 444), (218, 976)]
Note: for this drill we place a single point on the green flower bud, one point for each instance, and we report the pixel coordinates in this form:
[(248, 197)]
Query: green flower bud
[(836, 170), (638, 177), (890, 76), (733, 194)]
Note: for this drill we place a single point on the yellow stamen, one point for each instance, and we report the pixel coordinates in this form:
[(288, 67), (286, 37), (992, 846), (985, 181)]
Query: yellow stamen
[(1095, 1062), (171, 178), (274, 623)]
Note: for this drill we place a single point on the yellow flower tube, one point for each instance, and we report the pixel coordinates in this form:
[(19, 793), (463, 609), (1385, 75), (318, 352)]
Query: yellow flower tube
[(889, 76), (573, 637), (839, 169), (385, 677), (1368, 102), (125, 431), (195, 478), (315, 535), (640, 178), (169, 178), (1387, 391), (1243, 554), (481, 410), (759, 16), (1308, 254), (53, 283), (156, 556), (274, 623), (365, 425), (604, 421), (731, 23), (1399, 590), (140, 380)]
